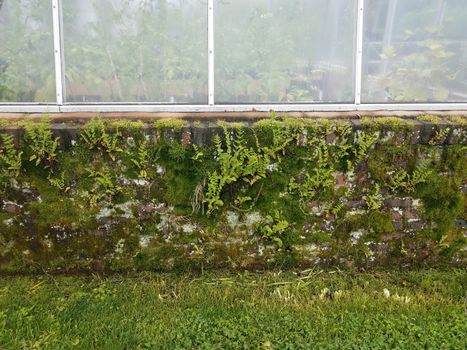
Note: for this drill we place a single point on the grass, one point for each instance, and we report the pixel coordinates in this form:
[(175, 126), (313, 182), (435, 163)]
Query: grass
[(311, 310)]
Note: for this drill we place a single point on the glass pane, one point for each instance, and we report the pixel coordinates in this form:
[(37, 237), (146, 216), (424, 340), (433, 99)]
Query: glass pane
[(26, 51), (415, 51), (284, 51), (135, 51)]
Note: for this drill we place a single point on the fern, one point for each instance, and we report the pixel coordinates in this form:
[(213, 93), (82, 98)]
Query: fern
[(374, 199), (421, 173), (9, 156), (281, 137), (238, 161), (321, 154), (364, 141), (198, 153), (58, 182), (104, 185), (319, 180), (343, 130), (337, 208), (141, 159), (213, 193), (255, 166), (273, 228), (439, 136), (403, 181), (95, 135), (241, 200), (41, 142)]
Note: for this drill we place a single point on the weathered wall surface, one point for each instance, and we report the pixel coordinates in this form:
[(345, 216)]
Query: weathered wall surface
[(174, 194)]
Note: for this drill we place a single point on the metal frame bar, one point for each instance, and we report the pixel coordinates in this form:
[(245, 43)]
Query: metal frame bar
[(359, 52), (211, 52), (58, 52), (234, 108)]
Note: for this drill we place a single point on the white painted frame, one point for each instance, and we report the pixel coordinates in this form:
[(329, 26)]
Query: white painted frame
[(58, 51), (62, 106), (359, 52), (211, 81), (147, 108)]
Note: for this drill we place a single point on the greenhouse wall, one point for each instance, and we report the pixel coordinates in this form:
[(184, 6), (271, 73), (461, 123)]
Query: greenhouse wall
[(196, 194), (242, 55)]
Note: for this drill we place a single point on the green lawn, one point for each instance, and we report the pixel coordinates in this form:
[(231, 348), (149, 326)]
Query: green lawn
[(418, 310)]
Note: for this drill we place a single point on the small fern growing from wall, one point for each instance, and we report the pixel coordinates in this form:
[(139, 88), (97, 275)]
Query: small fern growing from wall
[(317, 177), (281, 137), (238, 161), (316, 181), (58, 182), (141, 159), (374, 199), (95, 135), (213, 193), (363, 143), (401, 180), (105, 185), (42, 144), (10, 157), (439, 137), (273, 228), (198, 153)]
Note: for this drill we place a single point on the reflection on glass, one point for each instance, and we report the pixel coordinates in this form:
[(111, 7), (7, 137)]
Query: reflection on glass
[(135, 51), (415, 51), (284, 50), (26, 51)]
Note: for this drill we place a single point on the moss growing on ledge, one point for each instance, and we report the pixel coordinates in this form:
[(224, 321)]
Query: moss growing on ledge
[(433, 119), (170, 123), (392, 123), (283, 192), (455, 119)]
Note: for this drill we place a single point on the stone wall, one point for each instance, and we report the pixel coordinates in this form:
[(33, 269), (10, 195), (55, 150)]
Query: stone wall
[(279, 192)]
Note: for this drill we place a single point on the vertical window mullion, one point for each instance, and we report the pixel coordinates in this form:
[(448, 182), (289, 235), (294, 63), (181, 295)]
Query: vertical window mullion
[(359, 52), (58, 50), (211, 52)]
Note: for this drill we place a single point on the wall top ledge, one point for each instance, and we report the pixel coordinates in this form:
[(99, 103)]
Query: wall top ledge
[(230, 116)]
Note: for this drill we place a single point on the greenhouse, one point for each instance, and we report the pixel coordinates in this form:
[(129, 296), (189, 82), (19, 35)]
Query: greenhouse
[(233, 174), (232, 55)]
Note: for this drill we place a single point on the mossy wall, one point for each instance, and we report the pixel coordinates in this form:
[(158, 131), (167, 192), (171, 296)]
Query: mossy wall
[(172, 194)]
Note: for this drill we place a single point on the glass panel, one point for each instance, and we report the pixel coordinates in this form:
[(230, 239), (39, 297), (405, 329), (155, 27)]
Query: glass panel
[(284, 51), (26, 51), (415, 51), (135, 51)]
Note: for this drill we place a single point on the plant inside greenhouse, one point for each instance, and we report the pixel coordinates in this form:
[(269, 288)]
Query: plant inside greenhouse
[(264, 51), (233, 174)]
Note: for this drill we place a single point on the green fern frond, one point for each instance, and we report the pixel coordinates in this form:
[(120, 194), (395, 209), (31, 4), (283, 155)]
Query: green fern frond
[(10, 156)]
